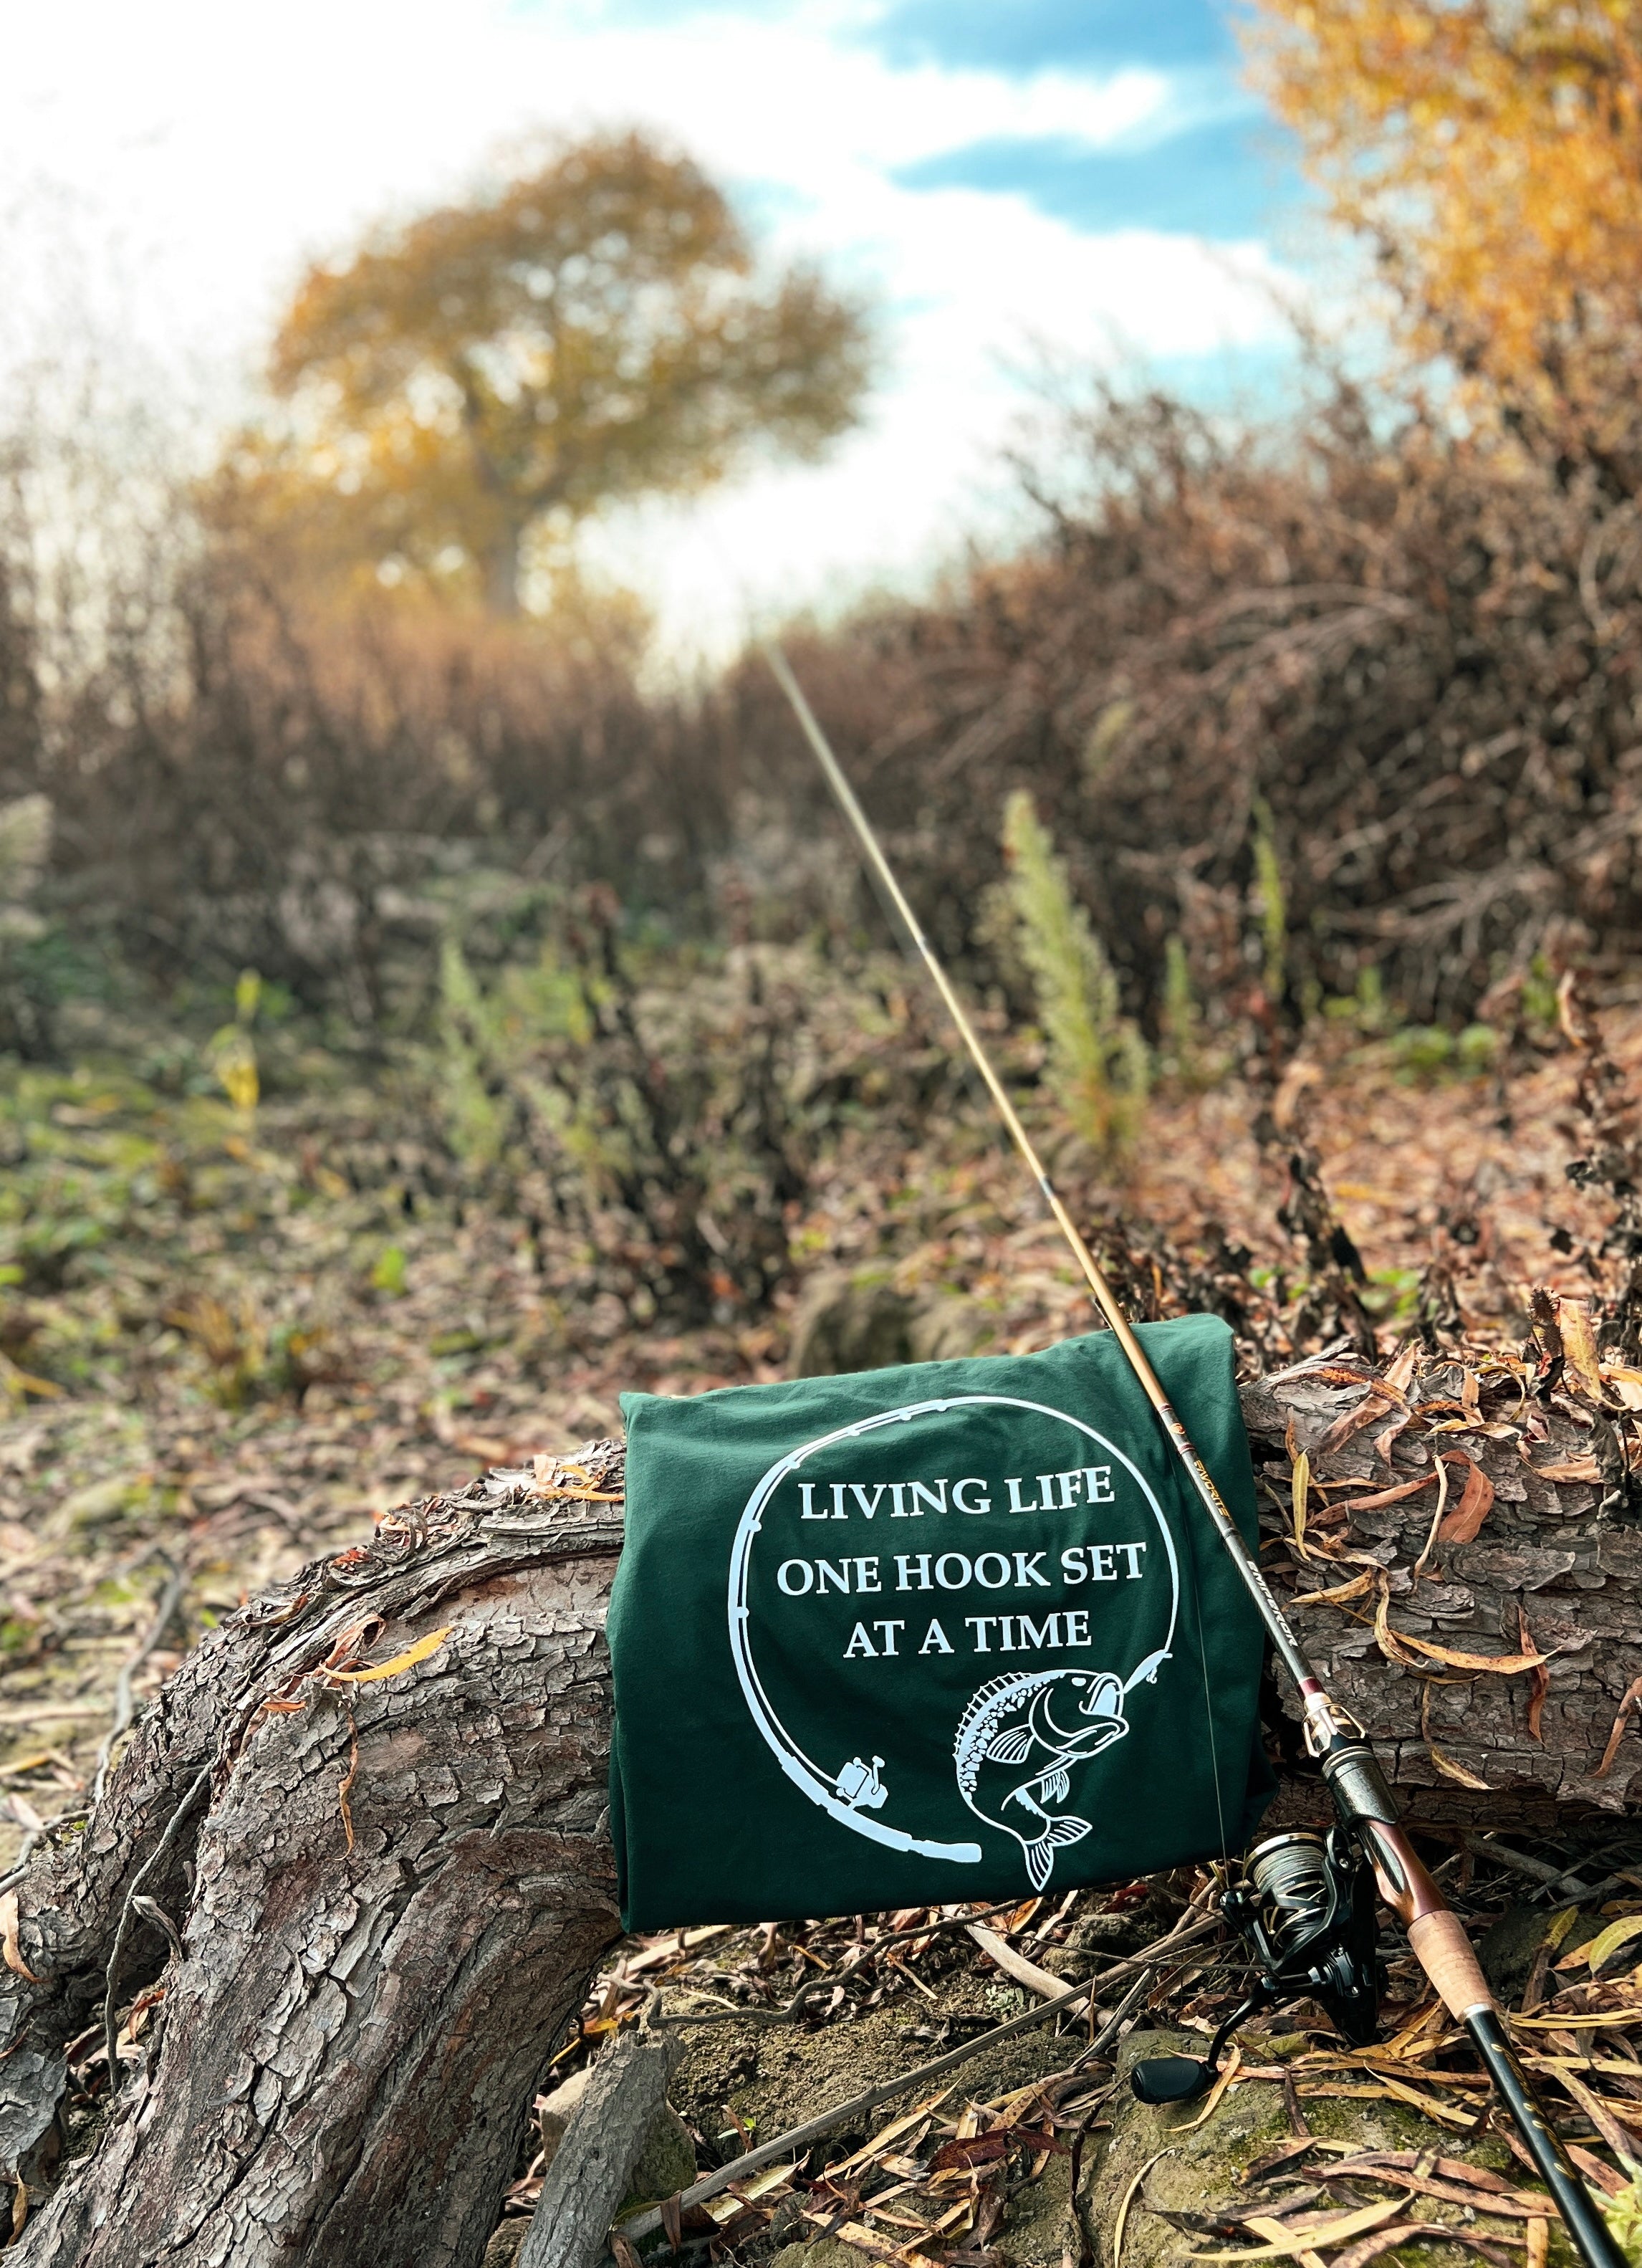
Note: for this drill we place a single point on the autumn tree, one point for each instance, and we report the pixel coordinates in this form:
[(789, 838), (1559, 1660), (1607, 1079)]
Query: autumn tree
[(1491, 152), (595, 330)]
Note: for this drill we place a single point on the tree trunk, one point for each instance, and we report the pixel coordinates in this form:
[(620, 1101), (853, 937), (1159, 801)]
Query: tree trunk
[(392, 1893), (501, 572)]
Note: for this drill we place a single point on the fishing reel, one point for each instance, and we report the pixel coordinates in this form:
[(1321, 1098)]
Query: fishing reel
[(1306, 1905)]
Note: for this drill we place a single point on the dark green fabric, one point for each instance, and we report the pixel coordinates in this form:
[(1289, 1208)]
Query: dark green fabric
[(821, 1715)]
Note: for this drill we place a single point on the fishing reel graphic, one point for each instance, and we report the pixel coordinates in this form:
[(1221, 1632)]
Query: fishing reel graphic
[(1306, 1905)]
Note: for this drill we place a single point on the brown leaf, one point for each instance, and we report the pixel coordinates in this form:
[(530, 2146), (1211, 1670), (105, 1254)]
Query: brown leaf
[(14, 1960), (670, 2219), (1628, 1708), (1540, 1685), (1570, 1469), (1582, 1367), (1388, 1496), (1373, 1406), (973, 2150), (1461, 1525), (622, 2251)]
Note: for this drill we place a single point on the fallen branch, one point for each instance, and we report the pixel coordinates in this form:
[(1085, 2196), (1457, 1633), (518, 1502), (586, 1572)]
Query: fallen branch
[(601, 2145)]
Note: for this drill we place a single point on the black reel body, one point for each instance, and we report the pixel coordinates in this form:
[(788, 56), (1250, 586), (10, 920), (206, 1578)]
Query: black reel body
[(1306, 1905)]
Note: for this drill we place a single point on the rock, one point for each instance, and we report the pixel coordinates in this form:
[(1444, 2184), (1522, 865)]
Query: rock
[(1508, 1950), (666, 2163), (1171, 2157), (847, 1322)]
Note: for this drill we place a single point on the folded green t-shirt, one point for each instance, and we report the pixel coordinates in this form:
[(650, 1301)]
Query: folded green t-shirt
[(944, 1632)]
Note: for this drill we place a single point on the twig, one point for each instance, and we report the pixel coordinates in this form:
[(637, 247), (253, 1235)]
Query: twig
[(797, 2138), (124, 1706), (794, 2008), (111, 1975), (1551, 1878)]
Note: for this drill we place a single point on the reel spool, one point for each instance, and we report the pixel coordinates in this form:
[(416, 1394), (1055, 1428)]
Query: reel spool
[(1306, 1904)]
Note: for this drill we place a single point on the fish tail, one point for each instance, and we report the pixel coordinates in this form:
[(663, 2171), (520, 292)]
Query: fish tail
[(1055, 1836)]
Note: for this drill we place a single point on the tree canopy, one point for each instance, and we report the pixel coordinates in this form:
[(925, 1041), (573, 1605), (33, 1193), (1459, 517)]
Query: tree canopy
[(1492, 151), (596, 330)]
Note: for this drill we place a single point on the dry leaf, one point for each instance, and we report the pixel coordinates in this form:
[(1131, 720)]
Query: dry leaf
[(1506, 1665), (1540, 1685), (1627, 1710), (1445, 1765), (1461, 1524), (1604, 1944), (412, 1654), (14, 1960), (1334, 1597), (1570, 1469), (1578, 1347), (1314, 2240)]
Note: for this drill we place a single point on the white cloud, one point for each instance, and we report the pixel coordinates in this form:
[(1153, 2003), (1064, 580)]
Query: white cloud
[(209, 151)]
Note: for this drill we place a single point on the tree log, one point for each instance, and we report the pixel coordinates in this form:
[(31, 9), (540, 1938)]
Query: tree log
[(391, 1891), (601, 2147), (390, 1902)]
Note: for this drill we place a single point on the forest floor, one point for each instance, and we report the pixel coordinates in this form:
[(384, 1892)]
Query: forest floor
[(230, 1340)]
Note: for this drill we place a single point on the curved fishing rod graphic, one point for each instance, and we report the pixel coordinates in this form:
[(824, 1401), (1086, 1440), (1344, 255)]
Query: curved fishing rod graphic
[(820, 1785)]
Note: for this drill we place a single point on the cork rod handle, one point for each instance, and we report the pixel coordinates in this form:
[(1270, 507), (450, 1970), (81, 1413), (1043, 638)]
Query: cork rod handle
[(1445, 1955)]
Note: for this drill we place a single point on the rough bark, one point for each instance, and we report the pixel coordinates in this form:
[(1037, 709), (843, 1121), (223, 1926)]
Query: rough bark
[(1555, 1568), (345, 2054), (601, 2147), (347, 2051)]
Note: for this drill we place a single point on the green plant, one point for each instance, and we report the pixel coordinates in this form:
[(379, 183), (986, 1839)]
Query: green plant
[(232, 1052), (1189, 1057), (1272, 900), (1622, 2213), (1099, 1068)]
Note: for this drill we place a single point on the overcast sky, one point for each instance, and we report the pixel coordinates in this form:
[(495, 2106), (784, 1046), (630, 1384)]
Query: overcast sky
[(1008, 176)]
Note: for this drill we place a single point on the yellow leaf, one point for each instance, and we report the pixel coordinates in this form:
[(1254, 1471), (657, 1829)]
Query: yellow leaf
[(412, 1654), (1314, 2240), (1507, 1665), (1578, 1347), (1604, 1944), (1447, 1767)]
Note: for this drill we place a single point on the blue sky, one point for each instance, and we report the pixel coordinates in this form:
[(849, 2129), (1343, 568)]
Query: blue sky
[(1011, 180)]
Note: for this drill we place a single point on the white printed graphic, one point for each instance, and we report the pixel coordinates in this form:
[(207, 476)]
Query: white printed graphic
[(1019, 1742), (1022, 1736)]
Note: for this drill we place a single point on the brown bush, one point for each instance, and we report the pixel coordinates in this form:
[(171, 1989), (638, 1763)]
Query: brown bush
[(1416, 652), (1383, 670)]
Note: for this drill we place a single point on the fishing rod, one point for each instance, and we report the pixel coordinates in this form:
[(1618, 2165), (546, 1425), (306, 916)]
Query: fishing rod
[(1304, 1901)]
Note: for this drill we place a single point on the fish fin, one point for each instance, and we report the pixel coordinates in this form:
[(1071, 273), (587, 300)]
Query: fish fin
[(1069, 1829), (1057, 1784), (1039, 1861), (1012, 1747)]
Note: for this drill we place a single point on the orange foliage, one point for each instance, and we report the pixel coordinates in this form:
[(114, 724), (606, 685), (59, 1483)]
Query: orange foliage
[(1492, 151), (594, 330)]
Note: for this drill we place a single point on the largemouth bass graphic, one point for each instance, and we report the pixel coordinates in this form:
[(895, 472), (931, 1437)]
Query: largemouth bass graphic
[(1017, 1743)]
